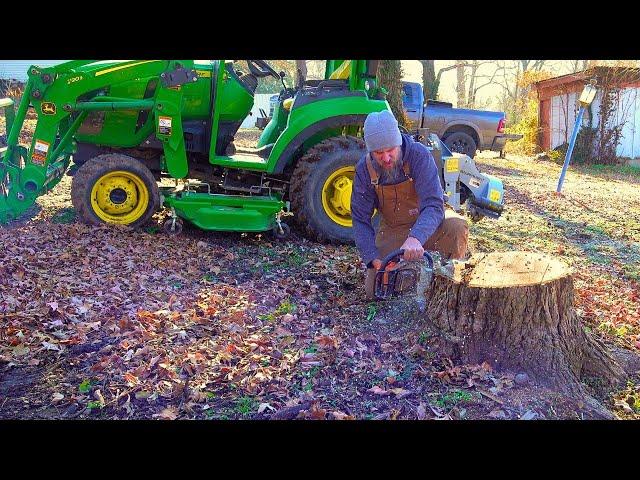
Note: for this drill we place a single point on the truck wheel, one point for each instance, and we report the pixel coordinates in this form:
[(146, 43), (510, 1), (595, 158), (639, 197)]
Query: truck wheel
[(114, 188), (461, 142), (321, 187)]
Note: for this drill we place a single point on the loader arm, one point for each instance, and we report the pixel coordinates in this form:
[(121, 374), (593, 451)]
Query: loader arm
[(62, 96)]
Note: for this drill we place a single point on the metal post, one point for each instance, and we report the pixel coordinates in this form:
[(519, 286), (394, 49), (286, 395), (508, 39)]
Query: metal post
[(572, 142)]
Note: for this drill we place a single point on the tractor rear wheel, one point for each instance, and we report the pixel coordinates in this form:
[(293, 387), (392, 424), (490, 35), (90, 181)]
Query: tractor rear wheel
[(321, 189), (114, 188)]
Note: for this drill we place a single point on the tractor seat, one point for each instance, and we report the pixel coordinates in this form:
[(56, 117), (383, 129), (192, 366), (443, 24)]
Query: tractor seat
[(262, 152)]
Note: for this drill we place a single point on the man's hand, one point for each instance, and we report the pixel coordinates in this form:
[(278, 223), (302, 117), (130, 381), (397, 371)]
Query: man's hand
[(412, 249)]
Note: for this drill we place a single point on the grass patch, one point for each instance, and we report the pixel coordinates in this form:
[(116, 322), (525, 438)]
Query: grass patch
[(286, 306), (296, 259), (613, 170), (372, 310), (451, 399), (245, 405), (66, 215)]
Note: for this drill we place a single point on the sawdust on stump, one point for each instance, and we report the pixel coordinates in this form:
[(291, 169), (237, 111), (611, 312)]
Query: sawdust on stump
[(515, 311)]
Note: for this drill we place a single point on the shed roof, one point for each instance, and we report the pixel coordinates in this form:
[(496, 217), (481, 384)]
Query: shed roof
[(623, 75)]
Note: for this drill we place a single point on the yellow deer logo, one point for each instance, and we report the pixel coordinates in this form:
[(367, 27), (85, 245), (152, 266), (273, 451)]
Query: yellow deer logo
[(48, 108)]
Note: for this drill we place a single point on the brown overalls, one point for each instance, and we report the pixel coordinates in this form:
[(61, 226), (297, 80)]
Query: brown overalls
[(399, 208)]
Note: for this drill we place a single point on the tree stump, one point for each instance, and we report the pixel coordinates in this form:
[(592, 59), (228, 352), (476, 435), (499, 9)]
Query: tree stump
[(514, 310)]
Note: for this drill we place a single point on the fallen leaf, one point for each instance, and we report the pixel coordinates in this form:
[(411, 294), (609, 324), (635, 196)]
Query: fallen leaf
[(490, 396), (386, 347), (416, 350), (529, 415), (376, 390), (325, 341), (624, 405), (98, 396), (51, 346), (497, 414), (170, 413), (263, 406), (400, 392), (421, 411), (341, 416), (382, 416), (317, 413), (20, 350)]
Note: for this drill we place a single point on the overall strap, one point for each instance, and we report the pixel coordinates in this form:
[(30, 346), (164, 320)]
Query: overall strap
[(405, 167), (372, 171)]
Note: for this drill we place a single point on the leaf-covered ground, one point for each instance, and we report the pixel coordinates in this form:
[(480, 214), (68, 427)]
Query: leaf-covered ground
[(105, 322)]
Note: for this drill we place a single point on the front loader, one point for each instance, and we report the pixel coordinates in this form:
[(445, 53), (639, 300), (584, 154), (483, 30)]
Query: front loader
[(122, 128)]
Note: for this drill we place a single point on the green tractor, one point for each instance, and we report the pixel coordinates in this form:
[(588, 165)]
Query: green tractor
[(128, 126)]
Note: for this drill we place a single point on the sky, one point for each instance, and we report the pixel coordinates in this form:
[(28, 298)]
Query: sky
[(413, 72)]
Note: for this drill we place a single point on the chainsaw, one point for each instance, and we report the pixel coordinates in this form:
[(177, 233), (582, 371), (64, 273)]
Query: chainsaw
[(398, 277)]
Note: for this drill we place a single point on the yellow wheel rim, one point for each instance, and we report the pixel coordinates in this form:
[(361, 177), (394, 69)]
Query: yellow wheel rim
[(119, 197), (336, 195)]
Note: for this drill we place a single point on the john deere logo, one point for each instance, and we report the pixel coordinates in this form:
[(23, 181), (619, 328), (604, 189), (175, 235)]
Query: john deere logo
[(48, 108)]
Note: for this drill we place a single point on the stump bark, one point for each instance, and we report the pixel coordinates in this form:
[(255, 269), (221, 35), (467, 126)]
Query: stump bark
[(515, 311)]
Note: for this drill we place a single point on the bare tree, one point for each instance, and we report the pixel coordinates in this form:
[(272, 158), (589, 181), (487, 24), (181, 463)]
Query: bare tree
[(390, 75), (301, 67), (429, 85), (460, 83), (579, 65), (477, 81), (431, 80)]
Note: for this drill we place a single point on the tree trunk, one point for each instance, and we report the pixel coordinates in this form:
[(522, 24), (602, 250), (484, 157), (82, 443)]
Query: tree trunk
[(390, 77), (460, 84), (429, 85), (514, 310), (471, 96), (301, 68)]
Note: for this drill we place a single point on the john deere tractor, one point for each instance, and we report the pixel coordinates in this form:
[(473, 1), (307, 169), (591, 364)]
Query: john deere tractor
[(122, 128)]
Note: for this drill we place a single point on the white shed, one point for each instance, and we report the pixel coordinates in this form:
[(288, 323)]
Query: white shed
[(558, 107)]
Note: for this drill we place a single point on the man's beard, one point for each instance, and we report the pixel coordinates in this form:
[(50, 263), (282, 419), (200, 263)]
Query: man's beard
[(391, 175)]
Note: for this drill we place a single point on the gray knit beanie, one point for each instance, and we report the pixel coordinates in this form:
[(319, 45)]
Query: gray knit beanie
[(381, 131)]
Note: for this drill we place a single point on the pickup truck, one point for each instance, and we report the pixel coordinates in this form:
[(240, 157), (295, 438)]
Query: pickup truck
[(461, 130)]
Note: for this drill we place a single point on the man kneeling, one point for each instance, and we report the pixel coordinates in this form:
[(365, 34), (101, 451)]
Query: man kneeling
[(398, 176)]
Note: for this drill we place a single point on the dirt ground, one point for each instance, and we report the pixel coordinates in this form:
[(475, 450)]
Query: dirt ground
[(109, 323)]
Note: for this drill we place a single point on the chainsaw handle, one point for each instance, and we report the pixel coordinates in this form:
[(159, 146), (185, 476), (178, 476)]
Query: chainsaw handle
[(395, 256)]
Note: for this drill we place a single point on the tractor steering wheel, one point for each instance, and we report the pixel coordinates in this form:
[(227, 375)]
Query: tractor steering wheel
[(260, 68)]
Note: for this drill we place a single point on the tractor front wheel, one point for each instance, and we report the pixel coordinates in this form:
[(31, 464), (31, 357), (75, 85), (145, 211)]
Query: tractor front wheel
[(116, 189), (321, 188)]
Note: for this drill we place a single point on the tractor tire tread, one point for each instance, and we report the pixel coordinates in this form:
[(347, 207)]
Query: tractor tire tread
[(299, 178), (99, 165)]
